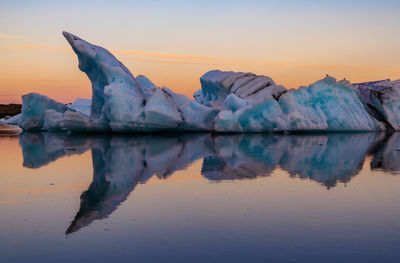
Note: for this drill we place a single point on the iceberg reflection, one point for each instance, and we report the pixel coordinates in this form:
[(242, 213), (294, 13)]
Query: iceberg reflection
[(324, 158), (387, 155), (121, 162), (40, 149)]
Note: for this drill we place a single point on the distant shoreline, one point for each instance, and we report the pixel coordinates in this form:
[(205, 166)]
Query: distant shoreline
[(9, 110)]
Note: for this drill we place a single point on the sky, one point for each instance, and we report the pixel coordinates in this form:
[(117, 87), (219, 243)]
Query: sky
[(175, 42)]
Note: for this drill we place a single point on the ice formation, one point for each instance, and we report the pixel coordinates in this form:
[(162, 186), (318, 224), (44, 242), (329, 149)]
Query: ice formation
[(35, 107), (81, 105), (383, 100), (13, 120), (227, 102)]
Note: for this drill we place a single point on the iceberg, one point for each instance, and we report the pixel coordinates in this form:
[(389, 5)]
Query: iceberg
[(13, 120), (238, 102)]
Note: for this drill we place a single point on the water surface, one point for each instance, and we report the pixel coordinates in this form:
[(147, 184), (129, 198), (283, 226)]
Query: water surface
[(199, 198)]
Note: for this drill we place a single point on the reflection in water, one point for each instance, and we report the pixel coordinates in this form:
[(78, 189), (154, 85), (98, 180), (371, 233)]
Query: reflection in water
[(387, 155), (121, 162), (39, 149), (9, 131), (323, 158)]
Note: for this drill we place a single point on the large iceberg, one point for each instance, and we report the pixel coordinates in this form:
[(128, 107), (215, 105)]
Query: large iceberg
[(227, 102)]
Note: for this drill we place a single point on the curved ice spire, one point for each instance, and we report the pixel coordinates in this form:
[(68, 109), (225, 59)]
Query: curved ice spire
[(104, 70)]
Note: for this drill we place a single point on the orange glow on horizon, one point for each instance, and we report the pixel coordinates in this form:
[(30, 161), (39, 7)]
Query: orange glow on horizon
[(52, 70)]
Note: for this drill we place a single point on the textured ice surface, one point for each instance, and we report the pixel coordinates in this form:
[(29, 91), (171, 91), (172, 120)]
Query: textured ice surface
[(33, 110), (195, 116), (326, 105), (79, 122), (227, 102), (146, 83), (107, 74), (53, 120), (14, 120), (216, 85), (81, 105), (383, 100)]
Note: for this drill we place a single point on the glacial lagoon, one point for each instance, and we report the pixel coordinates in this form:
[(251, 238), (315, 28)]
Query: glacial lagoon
[(199, 197)]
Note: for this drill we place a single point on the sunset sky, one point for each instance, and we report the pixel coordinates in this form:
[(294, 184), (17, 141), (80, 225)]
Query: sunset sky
[(175, 42)]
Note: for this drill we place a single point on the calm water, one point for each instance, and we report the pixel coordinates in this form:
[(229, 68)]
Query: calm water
[(199, 198)]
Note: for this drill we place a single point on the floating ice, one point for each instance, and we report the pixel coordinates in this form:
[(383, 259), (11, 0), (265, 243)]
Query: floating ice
[(227, 102), (33, 111), (14, 120)]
